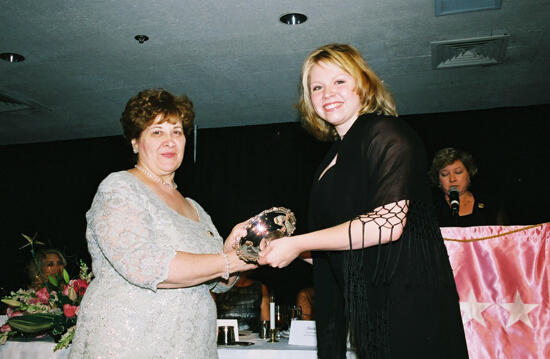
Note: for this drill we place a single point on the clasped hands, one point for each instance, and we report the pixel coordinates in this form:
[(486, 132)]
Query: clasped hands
[(277, 253)]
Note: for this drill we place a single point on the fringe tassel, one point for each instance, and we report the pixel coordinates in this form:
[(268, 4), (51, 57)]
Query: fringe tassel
[(368, 318)]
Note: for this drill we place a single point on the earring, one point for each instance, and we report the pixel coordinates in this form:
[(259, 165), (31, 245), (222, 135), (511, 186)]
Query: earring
[(135, 150)]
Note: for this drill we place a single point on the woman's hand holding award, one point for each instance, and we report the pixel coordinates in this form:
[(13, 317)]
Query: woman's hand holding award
[(271, 224)]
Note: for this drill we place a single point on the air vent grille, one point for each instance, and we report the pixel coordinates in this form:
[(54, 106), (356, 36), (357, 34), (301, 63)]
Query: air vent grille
[(469, 52)]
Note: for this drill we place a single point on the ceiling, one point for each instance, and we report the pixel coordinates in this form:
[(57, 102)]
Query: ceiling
[(240, 65)]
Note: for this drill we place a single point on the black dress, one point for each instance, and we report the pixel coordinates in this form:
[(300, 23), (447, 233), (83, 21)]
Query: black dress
[(398, 299), (482, 214)]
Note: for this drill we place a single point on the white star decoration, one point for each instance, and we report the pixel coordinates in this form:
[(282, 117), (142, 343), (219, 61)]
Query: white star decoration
[(472, 309), (518, 311)]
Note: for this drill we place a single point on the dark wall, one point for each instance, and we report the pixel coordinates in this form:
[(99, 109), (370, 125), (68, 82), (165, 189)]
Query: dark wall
[(46, 188)]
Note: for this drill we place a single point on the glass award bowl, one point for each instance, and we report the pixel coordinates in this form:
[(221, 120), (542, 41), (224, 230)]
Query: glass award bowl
[(271, 224)]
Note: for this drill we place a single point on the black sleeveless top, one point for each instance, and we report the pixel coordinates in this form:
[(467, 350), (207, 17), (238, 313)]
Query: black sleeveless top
[(483, 214)]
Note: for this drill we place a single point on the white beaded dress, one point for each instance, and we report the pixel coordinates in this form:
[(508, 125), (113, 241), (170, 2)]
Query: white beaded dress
[(132, 237)]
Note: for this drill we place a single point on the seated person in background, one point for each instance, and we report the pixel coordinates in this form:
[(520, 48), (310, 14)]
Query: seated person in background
[(452, 167), (247, 301), (51, 262), (305, 300)]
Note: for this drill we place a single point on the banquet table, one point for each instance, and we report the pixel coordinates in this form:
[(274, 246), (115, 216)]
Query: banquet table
[(266, 350), (43, 349)]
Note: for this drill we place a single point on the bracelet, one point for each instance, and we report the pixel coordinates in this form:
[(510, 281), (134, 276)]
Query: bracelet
[(226, 274)]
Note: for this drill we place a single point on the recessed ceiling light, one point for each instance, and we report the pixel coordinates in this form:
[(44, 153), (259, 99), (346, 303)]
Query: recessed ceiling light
[(12, 57), (293, 18), (141, 38)]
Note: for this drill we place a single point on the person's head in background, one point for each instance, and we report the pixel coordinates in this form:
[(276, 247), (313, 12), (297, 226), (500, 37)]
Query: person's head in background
[(51, 263), (452, 167), (373, 96)]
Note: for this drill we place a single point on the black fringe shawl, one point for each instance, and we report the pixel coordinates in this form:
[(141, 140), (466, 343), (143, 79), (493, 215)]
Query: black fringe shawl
[(420, 258)]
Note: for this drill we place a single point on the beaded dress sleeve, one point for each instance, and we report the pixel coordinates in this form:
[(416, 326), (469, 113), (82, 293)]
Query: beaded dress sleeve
[(126, 238)]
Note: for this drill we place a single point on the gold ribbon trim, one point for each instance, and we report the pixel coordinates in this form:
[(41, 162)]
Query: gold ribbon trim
[(495, 235)]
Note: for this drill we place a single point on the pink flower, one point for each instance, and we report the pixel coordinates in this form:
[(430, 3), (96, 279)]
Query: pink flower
[(35, 301), (43, 295), (70, 310), (11, 313), (5, 328), (79, 285)]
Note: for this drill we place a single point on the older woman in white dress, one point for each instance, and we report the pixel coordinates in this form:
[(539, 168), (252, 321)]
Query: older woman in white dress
[(156, 255)]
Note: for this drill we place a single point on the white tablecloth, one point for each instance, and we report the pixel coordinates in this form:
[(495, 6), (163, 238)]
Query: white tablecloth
[(43, 349), (266, 350), (35, 349)]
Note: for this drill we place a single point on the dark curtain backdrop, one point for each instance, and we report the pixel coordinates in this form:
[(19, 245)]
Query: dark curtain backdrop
[(47, 188)]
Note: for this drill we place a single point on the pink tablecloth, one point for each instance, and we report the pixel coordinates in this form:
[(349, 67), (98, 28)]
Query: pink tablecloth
[(502, 277)]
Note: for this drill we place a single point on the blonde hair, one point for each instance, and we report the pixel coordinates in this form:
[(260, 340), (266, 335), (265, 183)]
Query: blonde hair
[(372, 93), (33, 271)]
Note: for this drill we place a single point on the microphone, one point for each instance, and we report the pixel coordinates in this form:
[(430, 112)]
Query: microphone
[(454, 200)]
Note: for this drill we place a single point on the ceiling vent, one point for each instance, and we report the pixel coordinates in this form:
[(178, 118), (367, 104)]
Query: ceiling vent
[(9, 104), (488, 50)]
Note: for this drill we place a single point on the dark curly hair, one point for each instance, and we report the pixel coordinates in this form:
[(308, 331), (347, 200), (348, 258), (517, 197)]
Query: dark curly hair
[(445, 157), (143, 108)]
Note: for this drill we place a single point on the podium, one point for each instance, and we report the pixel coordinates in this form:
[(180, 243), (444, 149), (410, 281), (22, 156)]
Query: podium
[(502, 277)]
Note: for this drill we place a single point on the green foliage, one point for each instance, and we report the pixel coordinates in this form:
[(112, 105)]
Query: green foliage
[(66, 276), (53, 281), (32, 323), (11, 302)]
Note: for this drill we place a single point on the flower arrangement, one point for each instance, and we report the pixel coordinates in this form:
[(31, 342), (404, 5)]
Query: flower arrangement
[(52, 309)]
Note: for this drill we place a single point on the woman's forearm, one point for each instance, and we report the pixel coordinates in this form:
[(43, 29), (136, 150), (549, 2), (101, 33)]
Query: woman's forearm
[(189, 269), (380, 226)]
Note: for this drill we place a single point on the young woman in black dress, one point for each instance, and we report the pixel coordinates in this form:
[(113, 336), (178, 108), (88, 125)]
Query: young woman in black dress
[(381, 270)]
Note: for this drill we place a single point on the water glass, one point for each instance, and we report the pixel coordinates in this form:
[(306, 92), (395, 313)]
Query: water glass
[(226, 335), (295, 313)]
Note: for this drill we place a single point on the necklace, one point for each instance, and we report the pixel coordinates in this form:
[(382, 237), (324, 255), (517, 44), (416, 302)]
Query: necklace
[(157, 179)]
